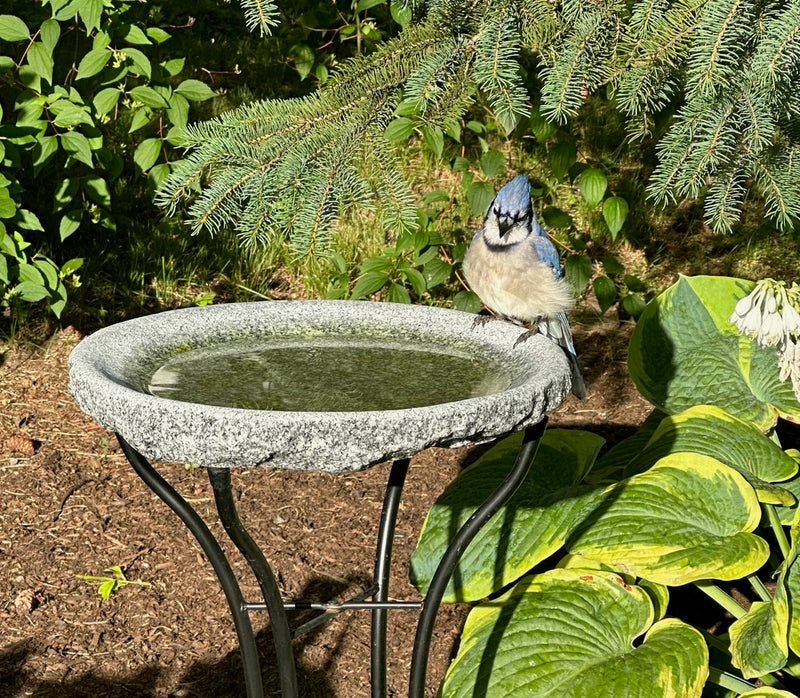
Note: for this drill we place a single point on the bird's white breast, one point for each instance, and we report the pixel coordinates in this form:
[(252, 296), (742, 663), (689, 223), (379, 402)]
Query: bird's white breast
[(514, 282)]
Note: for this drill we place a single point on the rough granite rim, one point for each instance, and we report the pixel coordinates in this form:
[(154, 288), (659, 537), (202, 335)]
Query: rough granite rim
[(105, 379)]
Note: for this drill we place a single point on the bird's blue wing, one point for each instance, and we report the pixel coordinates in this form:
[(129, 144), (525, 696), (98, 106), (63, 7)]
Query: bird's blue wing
[(546, 251)]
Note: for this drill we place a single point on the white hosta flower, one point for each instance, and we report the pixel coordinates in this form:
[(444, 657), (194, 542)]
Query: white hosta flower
[(770, 315)]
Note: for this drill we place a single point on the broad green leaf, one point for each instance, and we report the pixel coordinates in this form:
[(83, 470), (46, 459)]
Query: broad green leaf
[(541, 127), (592, 184), (8, 207), (30, 291), (28, 272), (43, 150), (436, 272), (554, 217), (433, 138), (303, 57), (71, 266), (615, 211), (178, 111), (92, 63), (368, 284), (90, 12), (612, 464), (633, 304), (415, 279), (684, 352), (97, 190), (157, 176), (70, 222), (149, 97), (133, 34), (4, 277), (40, 59), (58, 299), (767, 692), (479, 196), (12, 28), (50, 31), (159, 36), (570, 634), (146, 153), (139, 61), (689, 517), (48, 271), (606, 292), (711, 431), (401, 13), (195, 90), (562, 157), (65, 192), (141, 117), (759, 638), (105, 100), (467, 301), (397, 294), (493, 163), (173, 66), (577, 271), (529, 528), (69, 114), (77, 145), (399, 129)]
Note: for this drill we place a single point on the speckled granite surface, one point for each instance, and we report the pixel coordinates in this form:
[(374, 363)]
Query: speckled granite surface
[(110, 371)]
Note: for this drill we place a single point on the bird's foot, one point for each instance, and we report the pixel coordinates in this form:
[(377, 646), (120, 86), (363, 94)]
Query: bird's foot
[(526, 335), (481, 320)]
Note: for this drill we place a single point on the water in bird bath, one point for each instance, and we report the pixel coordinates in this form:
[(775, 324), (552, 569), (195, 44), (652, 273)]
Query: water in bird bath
[(324, 374)]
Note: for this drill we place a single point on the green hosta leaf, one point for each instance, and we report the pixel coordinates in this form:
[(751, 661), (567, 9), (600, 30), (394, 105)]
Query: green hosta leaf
[(713, 432), (368, 284), (758, 639), (493, 163), (689, 517), (531, 526), (684, 352), (606, 291), (149, 97), (570, 633), (562, 156), (13, 29), (195, 90), (92, 63), (479, 196), (147, 153), (615, 211), (592, 184)]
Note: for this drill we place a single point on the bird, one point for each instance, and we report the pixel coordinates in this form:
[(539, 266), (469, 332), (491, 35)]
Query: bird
[(514, 268)]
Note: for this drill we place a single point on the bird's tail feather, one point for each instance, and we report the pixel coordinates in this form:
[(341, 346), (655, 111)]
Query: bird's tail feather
[(557, 329)]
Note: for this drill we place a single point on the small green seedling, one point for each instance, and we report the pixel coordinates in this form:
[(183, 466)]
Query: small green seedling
[(107, 585)]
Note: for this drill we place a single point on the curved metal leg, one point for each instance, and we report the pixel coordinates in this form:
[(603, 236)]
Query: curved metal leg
[(451, 557), (383, 560), (212, 549), (221, 484)]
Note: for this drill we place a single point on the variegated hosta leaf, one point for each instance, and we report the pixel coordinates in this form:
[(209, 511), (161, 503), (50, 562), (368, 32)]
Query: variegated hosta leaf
[(712, 431), (767, 692), (684, 352), (759, 642), (528, 529), (569, 633), (689, 517), (659, 594), (790, 575)]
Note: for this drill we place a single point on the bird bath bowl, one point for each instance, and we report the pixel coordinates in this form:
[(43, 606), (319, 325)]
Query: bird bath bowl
[(323, 385)]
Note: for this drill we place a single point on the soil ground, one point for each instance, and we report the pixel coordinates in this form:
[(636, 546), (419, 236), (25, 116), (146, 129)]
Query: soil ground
[(71, 505)]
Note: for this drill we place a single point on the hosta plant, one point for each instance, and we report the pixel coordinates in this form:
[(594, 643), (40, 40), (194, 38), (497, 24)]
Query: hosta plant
[(572, 580)]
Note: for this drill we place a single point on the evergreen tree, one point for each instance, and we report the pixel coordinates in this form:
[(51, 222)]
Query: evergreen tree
[(728, 69)]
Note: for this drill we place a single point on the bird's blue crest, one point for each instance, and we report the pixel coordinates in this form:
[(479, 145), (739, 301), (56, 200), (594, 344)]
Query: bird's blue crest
[(513, 197)]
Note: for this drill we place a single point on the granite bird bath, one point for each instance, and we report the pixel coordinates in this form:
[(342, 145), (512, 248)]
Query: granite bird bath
[(325, 385)]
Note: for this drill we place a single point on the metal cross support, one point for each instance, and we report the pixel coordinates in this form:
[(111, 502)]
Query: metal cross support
[(378, 593)]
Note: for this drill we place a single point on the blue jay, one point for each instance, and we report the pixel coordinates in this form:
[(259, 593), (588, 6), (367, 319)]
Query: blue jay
[(513, 267)]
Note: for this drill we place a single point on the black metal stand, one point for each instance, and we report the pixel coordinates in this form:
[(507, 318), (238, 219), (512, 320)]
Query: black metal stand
[(379, 593)]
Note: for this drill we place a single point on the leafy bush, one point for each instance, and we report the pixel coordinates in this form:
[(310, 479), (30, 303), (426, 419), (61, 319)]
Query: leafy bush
[(699, 494), (85, 87)]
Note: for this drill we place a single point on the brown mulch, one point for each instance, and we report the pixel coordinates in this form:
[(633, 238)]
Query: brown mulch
[(71, 505)]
